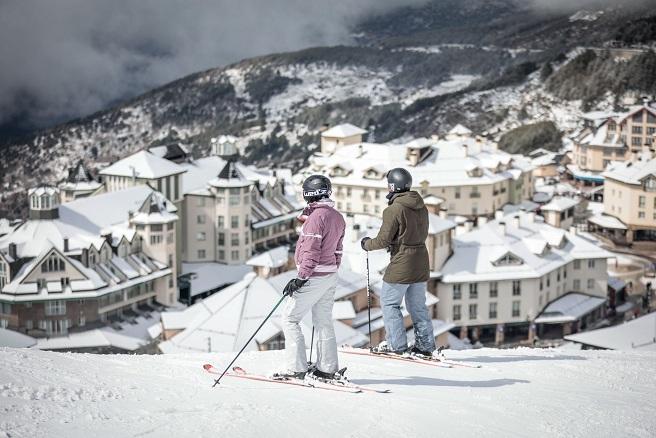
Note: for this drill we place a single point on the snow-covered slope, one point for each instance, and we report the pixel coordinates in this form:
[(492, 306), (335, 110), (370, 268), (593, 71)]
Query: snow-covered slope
[(519, 392)]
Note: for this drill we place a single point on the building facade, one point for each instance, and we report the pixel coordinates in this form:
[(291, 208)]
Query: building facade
[(87, 262), (502, 274), (472, 176)]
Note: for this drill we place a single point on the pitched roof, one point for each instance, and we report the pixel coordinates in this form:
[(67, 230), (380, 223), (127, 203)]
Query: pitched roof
[(343, 130), (569, 307), (631, 172), (637, 334), (143, 164), (560, 203), (273, 258), (460, 130)]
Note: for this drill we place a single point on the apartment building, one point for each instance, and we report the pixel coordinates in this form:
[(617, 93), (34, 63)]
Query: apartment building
[(502, 274), (629, 203), (609, 137), (74, 266), (472, 176)]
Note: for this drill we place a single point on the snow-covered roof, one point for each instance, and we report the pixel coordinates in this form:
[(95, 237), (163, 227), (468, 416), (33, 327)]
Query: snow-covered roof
[(570, 307), (225, 320), (343, 310), (204, 277), (143, 164), (638, 334), (475, 253), (560, 203), (129, 338), (437, 225), (13, 339), (460, 130), (607, 221), (448, 163), (342, 131), (584, 175), (433, 200), (631, 172), (43, 190), (273, 258)]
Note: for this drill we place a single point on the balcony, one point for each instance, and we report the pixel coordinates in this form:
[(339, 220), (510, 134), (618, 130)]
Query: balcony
[(475, 195)]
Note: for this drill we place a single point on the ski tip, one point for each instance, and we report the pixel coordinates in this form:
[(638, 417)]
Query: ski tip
[(207, 366)]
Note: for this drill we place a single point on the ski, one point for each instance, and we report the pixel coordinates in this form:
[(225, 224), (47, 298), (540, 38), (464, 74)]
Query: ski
[(339, 386), (413, 359)]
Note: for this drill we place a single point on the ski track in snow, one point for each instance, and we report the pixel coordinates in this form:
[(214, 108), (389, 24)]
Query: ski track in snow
[(520, 392)]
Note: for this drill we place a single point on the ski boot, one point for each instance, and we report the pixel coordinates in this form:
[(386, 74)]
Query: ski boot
[(289, 375), (333, 378), (383, 348)]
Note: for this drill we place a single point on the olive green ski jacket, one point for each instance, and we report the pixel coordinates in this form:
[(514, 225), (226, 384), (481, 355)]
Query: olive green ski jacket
[(404, 232)]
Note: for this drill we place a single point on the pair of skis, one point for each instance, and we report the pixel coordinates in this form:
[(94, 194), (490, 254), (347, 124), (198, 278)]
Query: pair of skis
[(441, 362), (337, 385)]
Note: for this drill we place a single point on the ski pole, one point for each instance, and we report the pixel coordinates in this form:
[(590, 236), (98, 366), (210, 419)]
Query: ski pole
[(216, 382), (311, 345), (369, 303)]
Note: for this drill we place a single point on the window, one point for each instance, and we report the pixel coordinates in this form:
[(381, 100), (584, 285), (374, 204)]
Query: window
[(57, 307), (65, 282), (636, 129), (234, 255), (548, 280), (641, 202), (591, 263), (493, 310), (641, 215), (234, 239), (247, 237), (221, 239), (234, 221), (247, 221), (200, 201), (456, 312), (473, 309), (169, 238), (541, 284), (156, 228), (221, 255), (508, 259), (473, 290), (156, 239), (494, 289), (516, 287), (515, 309), (220, 222), (171, 284), (5, 308), (201, 253), (590, 283), (558, 275), (200, 219), (577, 264), (457, 294), (457, 192), (200, 236), (53, 264), (636, 141)]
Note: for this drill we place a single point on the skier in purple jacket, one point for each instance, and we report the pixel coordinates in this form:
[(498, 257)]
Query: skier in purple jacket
[(318, 256)]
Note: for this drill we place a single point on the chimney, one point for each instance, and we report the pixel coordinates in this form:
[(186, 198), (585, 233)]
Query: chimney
[(12, 251), (356, 233), (482, 221), (530, 216), (469, 225), (502, 227), (442, 213), (498, 215), (515, 221), (108, 237), (65, 244), (84, 258), (130, 215)]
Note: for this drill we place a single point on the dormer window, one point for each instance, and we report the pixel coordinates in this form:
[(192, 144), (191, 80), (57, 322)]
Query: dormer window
[(476, 172), (53, 264), (508, 259), (650, 184), (339, 171), (372, 173)]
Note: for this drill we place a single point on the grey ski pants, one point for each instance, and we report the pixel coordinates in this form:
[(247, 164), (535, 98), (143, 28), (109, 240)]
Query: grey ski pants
[(317, 295)]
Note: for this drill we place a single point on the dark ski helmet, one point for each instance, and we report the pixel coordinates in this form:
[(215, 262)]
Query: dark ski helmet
[(399, 180), (316, 187)]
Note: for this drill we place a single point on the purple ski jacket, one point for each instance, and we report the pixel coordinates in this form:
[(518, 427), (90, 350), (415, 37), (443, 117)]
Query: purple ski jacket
[(319, 247)]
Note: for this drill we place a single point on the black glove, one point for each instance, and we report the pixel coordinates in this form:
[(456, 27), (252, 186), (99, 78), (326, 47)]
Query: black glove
[(293, 285), (363, 241)]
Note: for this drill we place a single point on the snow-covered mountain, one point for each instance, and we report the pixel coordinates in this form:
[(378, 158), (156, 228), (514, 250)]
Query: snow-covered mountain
[(415, 72), (522, 392)]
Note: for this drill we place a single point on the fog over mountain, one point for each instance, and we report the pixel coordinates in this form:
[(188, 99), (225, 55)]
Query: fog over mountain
[(68, 58)]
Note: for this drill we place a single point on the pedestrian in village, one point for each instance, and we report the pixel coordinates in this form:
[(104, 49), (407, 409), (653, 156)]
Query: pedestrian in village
[(403, 233), (318, 256)]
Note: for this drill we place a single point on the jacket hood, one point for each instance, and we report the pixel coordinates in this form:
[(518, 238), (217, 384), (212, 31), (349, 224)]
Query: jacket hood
[(322, 203), (409, 199)]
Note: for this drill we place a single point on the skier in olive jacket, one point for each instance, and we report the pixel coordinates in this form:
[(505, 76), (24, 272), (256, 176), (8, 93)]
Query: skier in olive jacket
[(403, 233)]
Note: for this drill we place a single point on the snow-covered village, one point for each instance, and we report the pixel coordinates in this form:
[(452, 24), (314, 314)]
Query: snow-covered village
[(398, 218)]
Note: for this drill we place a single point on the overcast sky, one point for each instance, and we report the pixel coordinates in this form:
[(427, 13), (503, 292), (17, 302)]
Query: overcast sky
[(66, 58)]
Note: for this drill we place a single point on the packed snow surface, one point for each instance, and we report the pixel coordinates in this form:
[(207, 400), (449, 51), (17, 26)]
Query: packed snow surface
[(523, 392)]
